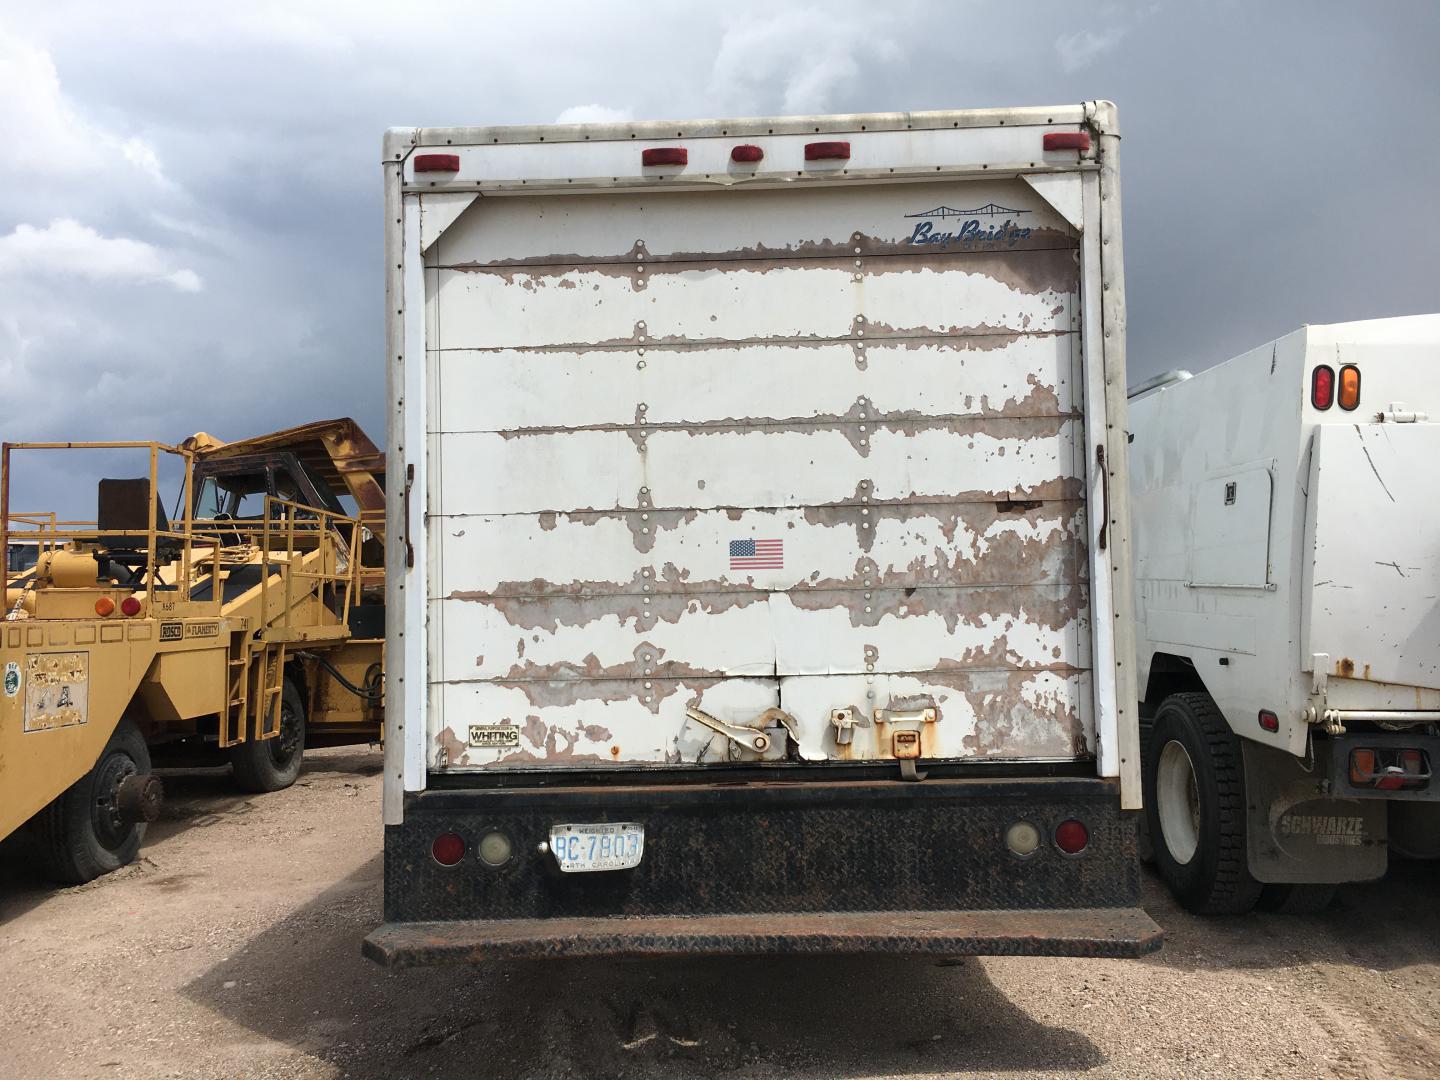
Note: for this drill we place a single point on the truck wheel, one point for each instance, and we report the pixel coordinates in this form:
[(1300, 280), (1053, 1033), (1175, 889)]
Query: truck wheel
[(1195, 807), (274, 763), (1296, 899), (85, 833)]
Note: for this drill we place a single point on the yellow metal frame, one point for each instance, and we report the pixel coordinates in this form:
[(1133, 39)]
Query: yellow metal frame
[(55, 533)]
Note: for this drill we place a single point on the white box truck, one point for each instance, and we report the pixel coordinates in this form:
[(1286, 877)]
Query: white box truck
[(1287, 557), (759, 574)]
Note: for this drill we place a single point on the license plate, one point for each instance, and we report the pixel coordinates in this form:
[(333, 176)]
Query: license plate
[(581, 849)]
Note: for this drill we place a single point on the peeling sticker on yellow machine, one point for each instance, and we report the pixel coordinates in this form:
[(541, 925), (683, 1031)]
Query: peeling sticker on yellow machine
[(57, 690)]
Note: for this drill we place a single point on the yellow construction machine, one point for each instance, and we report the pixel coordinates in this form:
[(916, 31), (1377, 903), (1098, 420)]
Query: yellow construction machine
[(244, 626)]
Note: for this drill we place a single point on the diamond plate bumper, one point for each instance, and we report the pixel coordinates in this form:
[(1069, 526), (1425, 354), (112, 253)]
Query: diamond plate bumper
[(771, 867), (1079, 932)]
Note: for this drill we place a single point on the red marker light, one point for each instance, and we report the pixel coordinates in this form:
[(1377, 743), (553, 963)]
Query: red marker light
[(827, 151), (1269, 721), (437, 163), (1066, 140), (448, 849), (665, 155), (1071, 837), (1322, 387), (747, 153), (130, 607)]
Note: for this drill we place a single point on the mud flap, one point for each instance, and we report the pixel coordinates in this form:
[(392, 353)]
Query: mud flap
[(1299, 835)]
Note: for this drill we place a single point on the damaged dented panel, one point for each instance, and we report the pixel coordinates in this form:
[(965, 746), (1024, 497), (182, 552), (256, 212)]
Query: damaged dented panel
[(810, 490)]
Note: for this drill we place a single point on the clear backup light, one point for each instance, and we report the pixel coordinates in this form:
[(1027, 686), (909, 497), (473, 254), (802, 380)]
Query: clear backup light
[(495, 849), (1022, 838)]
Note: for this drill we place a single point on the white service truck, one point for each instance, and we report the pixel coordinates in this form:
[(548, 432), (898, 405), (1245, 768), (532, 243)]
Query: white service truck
[(759, 574), (1287, 563)]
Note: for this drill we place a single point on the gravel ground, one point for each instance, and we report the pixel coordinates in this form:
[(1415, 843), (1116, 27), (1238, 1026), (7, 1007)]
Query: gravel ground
[(232, 950)]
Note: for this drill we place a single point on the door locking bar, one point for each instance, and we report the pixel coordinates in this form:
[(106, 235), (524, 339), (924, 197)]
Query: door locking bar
[(905, 743), (751, 738)]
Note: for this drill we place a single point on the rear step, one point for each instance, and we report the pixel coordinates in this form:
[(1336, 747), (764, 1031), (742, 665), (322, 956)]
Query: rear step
[(1120, 932)]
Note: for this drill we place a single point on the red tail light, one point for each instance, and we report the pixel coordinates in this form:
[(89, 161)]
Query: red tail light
[(827, 151), (448, 849), (1390, 770), (1067, 140), (1349, 396), (437, 162), (130, 607), (1071, 837), (1322, 387), (665, 155), (747, 153)]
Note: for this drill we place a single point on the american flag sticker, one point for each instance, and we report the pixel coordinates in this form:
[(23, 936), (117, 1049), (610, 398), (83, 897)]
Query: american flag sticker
[(757, 554)]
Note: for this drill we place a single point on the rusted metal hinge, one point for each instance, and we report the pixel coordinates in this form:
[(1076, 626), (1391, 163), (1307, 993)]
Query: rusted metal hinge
[(409, 547), (1104, 493)]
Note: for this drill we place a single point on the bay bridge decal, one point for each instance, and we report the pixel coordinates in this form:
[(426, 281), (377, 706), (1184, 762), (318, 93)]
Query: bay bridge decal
[(988, 210), (969, 234)]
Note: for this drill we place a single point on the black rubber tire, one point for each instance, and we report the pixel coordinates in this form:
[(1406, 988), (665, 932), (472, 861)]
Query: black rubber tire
[(79, 836), (273, 764), (1296, 899), (1216, 879)]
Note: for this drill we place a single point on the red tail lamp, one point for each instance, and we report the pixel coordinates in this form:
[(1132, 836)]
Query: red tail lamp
[(827, 151), (1322, 387), (104, 607), (1066, 140), (1071, 837), (747, 152), (447, 849), (130, 607), (665, 155), (437, 163)]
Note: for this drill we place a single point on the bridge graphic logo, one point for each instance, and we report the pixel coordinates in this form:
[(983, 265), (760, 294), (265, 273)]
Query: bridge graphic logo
[(988, 210)]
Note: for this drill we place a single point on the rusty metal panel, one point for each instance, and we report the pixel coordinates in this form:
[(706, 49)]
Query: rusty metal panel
[(808, 455), (749, 466), (887, 380), (999, 542)]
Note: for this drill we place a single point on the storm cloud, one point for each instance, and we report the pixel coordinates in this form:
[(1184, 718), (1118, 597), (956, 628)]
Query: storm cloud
[(190, 237)]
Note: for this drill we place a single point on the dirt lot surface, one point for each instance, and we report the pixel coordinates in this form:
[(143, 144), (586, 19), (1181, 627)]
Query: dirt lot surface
[(232, 950)]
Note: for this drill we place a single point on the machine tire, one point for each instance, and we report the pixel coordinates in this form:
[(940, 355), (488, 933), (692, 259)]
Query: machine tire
[(1296, 899), (272, 764), (1193, 765), (80, 836)]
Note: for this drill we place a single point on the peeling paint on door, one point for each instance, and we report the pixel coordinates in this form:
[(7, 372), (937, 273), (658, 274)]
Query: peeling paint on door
[(898, 424)]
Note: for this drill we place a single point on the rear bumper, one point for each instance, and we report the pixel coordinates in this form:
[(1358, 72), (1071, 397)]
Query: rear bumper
[(1125, 932), (771, 867)]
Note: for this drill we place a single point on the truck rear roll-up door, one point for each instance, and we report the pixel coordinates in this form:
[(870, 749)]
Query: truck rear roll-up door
[(761, 451)]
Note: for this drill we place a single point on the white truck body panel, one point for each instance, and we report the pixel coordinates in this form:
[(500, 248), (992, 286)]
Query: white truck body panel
[(811, 436), (1311, 584)]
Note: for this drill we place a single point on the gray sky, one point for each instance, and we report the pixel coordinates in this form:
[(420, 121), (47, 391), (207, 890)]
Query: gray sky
[(190, 235)]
